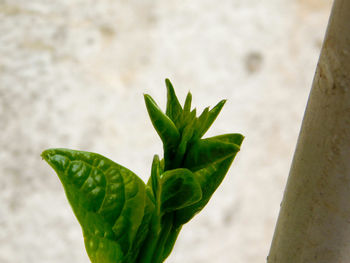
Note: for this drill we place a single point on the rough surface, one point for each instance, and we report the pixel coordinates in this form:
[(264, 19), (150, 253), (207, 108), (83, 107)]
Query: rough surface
[(72, 74), (313, 225)]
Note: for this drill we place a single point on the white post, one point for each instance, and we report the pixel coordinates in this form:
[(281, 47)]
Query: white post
[(314, 220)]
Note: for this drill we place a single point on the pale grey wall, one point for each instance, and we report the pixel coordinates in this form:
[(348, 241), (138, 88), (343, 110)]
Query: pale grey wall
[(72, 74)]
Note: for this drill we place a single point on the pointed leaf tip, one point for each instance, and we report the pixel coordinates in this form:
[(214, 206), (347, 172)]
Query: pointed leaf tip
[(164, 126), (188, 101), (217, 108), (167, 82), (148, 98), (173, 107), (209, 117)]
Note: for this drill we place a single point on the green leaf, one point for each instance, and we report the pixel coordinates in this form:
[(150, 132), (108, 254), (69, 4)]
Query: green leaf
[(187, 105), (108, 200), (181, 150), (207, 118), (144, 228), (179, 189), (209, 178), (173, 107), (206, 151), (165, 128), (154, 180), (170, 241)]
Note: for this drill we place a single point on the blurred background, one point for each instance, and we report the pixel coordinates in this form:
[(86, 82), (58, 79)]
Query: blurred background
[(73, 74)]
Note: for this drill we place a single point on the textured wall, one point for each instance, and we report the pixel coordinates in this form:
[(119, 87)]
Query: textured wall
[(72, 74)]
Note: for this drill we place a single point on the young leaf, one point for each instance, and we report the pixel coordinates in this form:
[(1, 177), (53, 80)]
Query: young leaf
[(179, 189), (181, 150), (210, 178), (165, 128), (108, 200), (234, 138), (210, 117), (154, 180), (187, 105), (144, 229), (170, 241), (206, 151), (173, 107)]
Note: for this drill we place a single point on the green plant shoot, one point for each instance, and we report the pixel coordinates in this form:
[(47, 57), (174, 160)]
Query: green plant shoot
[(125, 220)]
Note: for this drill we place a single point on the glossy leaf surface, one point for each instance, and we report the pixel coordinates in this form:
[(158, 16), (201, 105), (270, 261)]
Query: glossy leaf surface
[(108, 200)]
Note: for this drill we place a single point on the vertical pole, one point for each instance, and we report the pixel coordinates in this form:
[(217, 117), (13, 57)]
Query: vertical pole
[(314, 221)]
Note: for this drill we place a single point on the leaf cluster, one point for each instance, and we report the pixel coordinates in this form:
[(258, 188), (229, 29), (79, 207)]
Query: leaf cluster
[(125, 220)]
